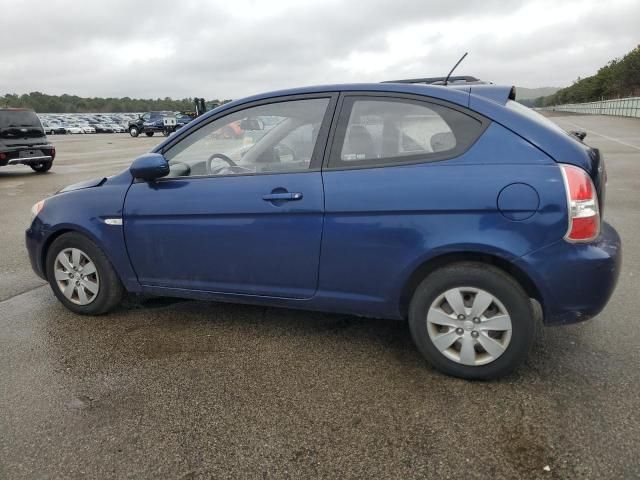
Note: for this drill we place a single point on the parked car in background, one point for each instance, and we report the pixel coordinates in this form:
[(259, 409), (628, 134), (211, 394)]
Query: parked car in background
[(23, 140), (151, 123), (115, 127), (73, 128), (454, 207), (182, 120), (101, 127), (86, 128), (48, 129), (58, 129)]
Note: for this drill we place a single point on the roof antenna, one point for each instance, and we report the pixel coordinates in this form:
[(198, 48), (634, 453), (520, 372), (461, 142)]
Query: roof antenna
[(454, 67)]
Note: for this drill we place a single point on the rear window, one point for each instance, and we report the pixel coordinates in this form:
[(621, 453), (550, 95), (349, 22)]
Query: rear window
[(18, 118), (20, 124)]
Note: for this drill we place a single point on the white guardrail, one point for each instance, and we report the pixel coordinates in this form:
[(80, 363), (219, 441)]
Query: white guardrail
[(624, 107)]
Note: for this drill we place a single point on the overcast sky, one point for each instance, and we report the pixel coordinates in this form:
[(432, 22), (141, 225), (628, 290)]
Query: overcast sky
[(232, 48)]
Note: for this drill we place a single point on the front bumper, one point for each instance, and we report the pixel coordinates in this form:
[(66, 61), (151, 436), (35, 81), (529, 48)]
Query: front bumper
[(34, 240), (575, 280)]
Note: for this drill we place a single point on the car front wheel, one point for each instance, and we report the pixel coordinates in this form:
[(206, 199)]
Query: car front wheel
[(81, 276), (472, 321), (133, 131)]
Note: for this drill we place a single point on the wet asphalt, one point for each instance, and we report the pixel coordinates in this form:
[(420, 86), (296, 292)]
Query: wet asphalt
[(184, 389)]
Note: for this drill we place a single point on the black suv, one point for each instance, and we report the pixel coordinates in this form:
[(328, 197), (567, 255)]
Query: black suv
[(152, 122), (23, 141)]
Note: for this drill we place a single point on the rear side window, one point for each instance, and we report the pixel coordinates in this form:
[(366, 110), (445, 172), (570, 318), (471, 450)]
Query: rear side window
[(386, 131)]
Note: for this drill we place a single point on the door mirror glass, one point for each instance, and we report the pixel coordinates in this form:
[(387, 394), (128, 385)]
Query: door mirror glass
[(149, 166)]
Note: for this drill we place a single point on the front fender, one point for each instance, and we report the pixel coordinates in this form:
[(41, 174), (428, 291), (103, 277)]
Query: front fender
[(85, 211)]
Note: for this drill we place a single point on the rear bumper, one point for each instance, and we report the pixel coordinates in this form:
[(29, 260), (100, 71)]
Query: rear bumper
[(44, 154), (30, 160), (575, 280)]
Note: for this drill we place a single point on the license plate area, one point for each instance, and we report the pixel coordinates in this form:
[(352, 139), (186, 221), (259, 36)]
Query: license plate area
[(30, 153)]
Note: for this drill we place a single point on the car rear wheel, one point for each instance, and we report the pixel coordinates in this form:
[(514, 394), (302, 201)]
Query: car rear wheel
[(41, 167), (134, 132), (472, 321), (81, 276), (149, 134)]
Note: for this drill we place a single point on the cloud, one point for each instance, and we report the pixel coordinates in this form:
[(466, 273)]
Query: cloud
[(232, 49)]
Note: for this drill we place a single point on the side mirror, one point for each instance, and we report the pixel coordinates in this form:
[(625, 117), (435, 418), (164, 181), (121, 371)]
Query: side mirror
[(580, 134), (149, 166)]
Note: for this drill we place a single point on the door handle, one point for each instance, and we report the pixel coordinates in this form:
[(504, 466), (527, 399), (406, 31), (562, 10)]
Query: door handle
[(287, 196)]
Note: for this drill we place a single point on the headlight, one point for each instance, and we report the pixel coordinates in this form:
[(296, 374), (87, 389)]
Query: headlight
[(36, 209)]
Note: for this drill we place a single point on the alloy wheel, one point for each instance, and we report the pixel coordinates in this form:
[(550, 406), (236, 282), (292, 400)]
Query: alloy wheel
[(469, 326), (76, 276)]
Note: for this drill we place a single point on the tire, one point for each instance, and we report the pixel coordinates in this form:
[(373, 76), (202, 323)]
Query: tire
[(109, 291), (134, 132), (41, 167), (470, 282), (149, 134)]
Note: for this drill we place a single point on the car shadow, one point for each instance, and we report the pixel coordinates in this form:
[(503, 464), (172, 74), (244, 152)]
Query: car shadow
[(18, 174)]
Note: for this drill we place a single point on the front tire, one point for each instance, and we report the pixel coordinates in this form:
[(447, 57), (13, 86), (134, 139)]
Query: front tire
[(472, 320), (134, 132), (81, 276)]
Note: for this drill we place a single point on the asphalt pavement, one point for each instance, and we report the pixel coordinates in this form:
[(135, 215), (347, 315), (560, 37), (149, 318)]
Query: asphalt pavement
[(185, 389)]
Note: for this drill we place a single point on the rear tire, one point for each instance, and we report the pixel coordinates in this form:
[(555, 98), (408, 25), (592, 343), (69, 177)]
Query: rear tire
[(104, 290), (149, 134), (433, 320), (41, 167)]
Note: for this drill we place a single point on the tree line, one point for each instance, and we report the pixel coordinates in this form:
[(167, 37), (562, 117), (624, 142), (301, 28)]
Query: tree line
[(617, 79), (43, 103)]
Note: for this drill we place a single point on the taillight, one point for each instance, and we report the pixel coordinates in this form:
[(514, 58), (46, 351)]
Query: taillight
[(53, 153), (582, 205)]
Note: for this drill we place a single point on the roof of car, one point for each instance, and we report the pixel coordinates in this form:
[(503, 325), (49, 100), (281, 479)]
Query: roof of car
[(455, 93), (16, 109)]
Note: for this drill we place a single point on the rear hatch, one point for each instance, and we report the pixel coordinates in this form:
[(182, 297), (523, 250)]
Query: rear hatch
[(20, 127)]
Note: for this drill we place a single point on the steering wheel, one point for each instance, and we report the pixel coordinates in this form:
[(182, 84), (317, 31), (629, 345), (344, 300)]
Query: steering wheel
[(221, 156)]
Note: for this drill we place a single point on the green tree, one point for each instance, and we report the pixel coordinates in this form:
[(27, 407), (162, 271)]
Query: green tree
[(618, 78)]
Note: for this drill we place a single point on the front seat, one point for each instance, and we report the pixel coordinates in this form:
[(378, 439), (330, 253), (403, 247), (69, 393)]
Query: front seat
[(359, 144)]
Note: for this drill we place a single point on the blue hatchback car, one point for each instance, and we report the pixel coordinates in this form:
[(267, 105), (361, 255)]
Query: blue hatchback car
[(451, 206)]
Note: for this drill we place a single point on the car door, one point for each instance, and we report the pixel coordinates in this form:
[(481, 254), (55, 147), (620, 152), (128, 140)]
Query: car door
[(242, 210)]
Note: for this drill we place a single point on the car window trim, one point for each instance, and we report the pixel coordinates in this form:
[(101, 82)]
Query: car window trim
[(343, 112), (319, 149)]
